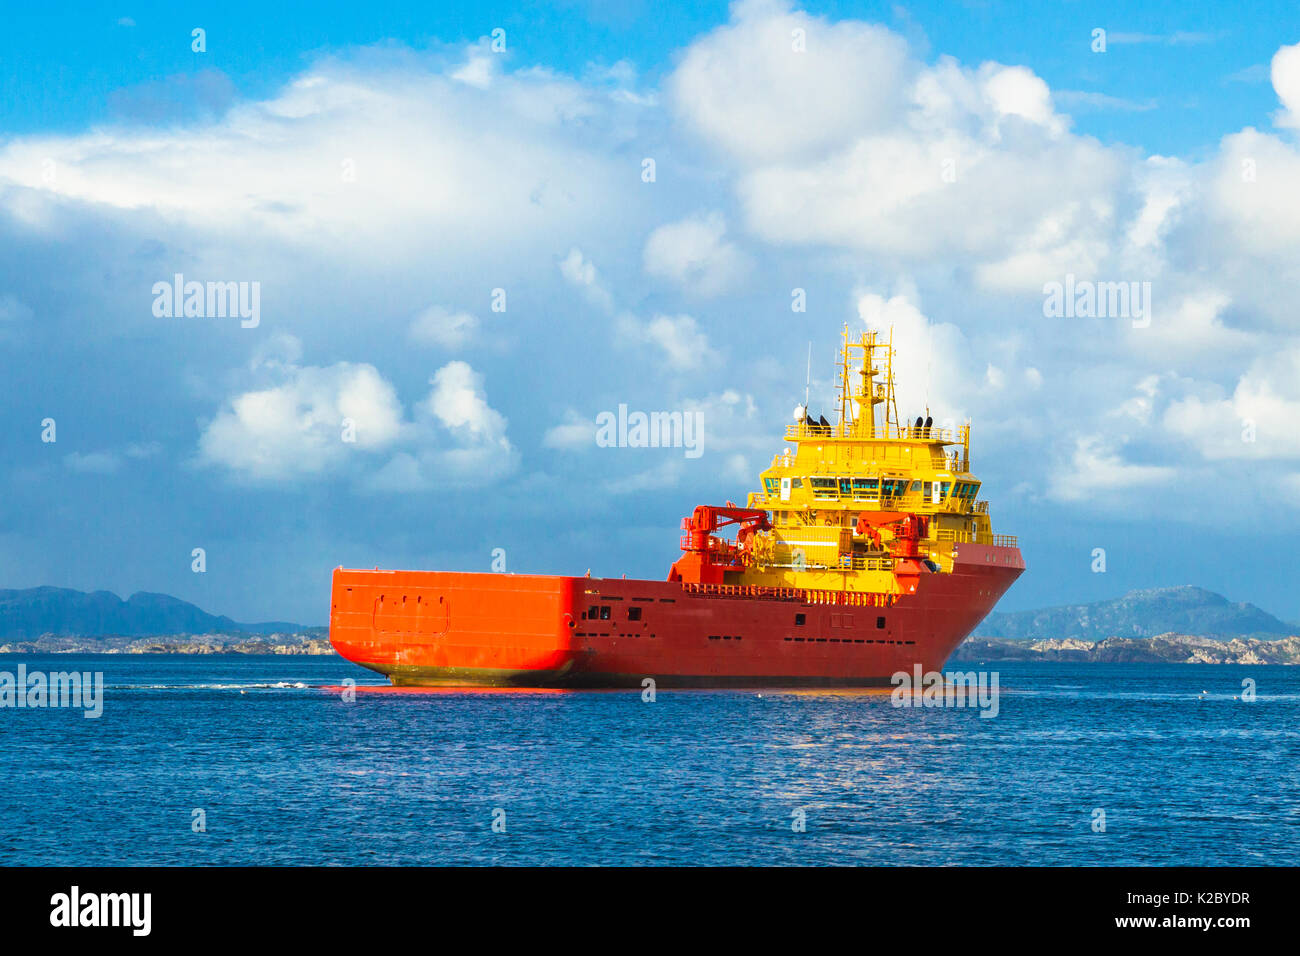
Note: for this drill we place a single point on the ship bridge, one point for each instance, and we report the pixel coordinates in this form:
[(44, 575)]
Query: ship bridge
[(860, 502)]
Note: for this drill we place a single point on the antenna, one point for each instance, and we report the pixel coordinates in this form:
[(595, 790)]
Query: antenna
[(808, 380), (929, 368)]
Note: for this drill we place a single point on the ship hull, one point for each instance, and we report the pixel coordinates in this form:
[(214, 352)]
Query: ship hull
[(433, 628)]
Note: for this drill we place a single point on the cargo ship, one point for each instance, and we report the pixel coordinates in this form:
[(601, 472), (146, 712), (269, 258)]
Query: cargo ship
[(866, 550)]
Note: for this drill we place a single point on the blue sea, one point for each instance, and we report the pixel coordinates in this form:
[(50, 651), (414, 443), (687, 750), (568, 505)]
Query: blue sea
[(235, 760)]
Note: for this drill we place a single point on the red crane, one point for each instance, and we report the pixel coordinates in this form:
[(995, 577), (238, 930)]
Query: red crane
[(706, 557), (908, 531)]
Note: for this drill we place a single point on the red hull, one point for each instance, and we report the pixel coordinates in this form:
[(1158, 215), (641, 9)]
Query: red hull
[(431, 628)]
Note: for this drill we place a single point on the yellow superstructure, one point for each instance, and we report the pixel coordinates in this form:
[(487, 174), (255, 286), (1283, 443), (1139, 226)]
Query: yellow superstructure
[(834, 489)]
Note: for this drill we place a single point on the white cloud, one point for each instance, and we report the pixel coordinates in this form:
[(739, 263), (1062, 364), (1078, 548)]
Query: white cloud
[(442, 327), (319, 421), (1096, 468), (1249, 193), (1165, 186), (1141, 405), (280, 350), (694, 253), (1016, 91), (382, 162), (857, 145), (459, 402), (933, 364), (93, 463), (974, 167), (1089, 99), (746, 89), (665, 474), (580, 271), (678, 337), (730, 422), (728, 436), (1258, 420), (296, 429), (480, 68), (457, 439), (851, 165), (1285, 74), (110, 461), (574, 432), (1191, 324)]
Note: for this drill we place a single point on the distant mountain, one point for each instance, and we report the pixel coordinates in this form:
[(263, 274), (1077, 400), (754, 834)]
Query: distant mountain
[(1172, 648), (30, 613), (1182, 610)]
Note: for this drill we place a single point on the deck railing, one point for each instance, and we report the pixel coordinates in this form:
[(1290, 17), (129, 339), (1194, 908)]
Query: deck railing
[(890, 432), (863, 563), (805, 595), (967, 537), (907, 502)]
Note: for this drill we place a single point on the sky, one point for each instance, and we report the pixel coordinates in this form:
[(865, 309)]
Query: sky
[(466, 230)]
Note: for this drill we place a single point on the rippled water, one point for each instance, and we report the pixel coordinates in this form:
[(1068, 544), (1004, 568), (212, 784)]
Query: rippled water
[(287, 772)]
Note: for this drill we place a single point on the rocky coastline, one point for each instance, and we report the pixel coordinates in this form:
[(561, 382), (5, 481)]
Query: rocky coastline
[(1167, 648), (313, 644)]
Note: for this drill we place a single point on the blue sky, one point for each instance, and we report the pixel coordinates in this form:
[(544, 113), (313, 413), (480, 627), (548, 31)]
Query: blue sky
[(379, 171), (1204, 68)]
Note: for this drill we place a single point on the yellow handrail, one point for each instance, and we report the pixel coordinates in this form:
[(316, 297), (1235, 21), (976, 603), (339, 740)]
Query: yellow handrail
[(885, 432), (967, 537)]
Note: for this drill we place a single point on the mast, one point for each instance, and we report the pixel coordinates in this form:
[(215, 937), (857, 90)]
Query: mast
[(845, 405), (889, 374), (857, 401)]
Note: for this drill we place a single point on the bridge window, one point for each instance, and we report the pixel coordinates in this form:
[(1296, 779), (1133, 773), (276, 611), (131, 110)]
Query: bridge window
[(866, 487), (634, 614), (799, 619), (824, 487), (880, 623), (604, 612)]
